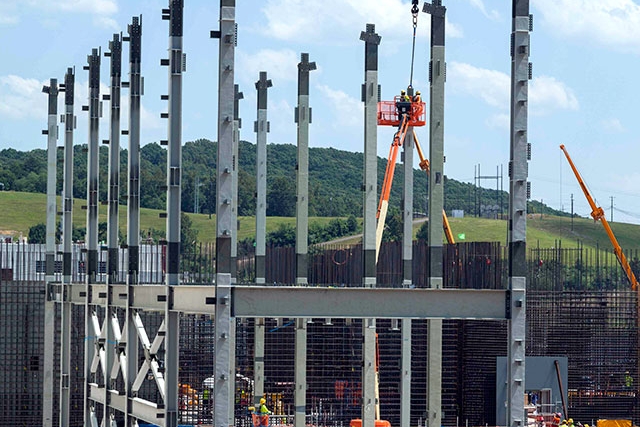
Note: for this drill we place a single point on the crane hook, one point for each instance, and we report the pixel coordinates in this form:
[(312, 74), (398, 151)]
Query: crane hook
[(414, 12)]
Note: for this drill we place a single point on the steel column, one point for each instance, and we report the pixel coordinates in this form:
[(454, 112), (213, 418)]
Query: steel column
[(303, 119), (370, 97), (518, 189), (49, 308), (261, 127), (225, 218), (174, 180), (67, 237)]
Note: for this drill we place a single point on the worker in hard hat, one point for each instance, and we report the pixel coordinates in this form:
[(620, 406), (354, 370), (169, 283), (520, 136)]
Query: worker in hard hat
[(417, 106), (570, 422), (263, 407), (403, 105)]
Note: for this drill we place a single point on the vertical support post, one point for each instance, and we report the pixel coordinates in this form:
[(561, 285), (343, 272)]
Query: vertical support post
[(520, 74), (133, 209), (437, 76), (370, 97), (407, 205), (67, 217), (49, 307), (115, 54), (237, 124), (174, 185), (303, 119), (92, 223), (300, 394), (261, 127), (133, 199), (224, 351), (258, 362)]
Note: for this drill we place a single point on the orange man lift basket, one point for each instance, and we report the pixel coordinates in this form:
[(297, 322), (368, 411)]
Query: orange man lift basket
[(389, 112)]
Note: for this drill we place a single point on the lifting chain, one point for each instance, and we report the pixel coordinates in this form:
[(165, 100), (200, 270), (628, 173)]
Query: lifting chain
[(414, 14)]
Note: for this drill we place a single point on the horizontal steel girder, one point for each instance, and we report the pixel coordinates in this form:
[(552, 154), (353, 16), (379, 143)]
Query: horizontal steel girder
[(296, 302)]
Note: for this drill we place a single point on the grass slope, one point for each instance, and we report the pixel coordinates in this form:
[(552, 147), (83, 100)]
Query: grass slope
[(19, 211)]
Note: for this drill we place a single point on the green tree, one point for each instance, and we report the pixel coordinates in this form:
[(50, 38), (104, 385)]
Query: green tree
[(423, 232), (284, 235), (281, 197), (393, 226), (38, 233)]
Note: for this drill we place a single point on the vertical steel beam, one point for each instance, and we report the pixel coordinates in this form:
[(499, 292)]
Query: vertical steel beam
[(261, 127), (300, 393), (303, 119), (115, 53), (133, 209), (113, 192), (237, 125), (67, 232), (437, 77), (133, 199), (174, 176), (407, 205), (520, 74), (405, 374), (370, 97), (49, 310), (92, 222), (224, 351)]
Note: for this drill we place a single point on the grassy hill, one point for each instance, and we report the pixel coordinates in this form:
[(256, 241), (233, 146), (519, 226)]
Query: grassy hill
[(19, 211)]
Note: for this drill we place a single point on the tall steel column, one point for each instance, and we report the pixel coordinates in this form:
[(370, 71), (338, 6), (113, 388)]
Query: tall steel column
[(261, 127), (237, 125), (174, 174), (407, 273), (92, 222), (303, 119), (67, 227), (113, 192), (224, 351), (300, 392), (133, 209), (49, 309), (370, 97), (518, 194), (133, 199), (437, 76)]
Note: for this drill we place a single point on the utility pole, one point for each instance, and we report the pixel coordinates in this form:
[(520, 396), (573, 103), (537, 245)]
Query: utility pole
[(571, 211), (50, 314), (611, 197)]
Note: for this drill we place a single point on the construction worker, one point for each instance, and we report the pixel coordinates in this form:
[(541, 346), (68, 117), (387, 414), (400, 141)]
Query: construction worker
[(404, 106), (417, 97), (263, 413), (555, 422), (570, 422), (628, 380), (263, 407), (416, 106)]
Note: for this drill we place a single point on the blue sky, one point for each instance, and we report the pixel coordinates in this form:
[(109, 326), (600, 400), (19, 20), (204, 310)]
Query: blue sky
[(584, 91)]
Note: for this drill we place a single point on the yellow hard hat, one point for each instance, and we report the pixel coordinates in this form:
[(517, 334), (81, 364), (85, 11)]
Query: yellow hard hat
[(402, 92), (417, 92), (263, 401), (570, 420)]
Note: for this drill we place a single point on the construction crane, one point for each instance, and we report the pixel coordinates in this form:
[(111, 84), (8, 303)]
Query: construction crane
[(597, 213)]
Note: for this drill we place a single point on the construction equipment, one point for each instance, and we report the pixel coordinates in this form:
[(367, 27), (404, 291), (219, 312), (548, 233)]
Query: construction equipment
[(597, 213)]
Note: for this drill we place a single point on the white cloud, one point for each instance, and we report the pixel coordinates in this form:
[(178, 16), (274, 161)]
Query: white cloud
[(546, 92), (612, 125), (106, 23), (334, 21), (22, 98), (490, 85), (611, 23), (498, 121), (282, 65), (98, 7), (348, 110), (8, 19), (493, 87), (479, 4)]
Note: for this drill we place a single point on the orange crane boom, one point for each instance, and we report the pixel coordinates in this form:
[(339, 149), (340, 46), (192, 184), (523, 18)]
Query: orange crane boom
[(597, 213)]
